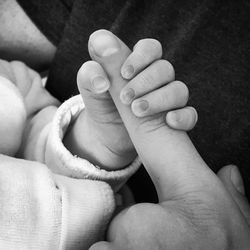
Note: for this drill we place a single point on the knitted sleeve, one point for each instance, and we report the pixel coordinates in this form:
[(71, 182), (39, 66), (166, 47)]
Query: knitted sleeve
[(43, 142), (46, 126), (43, 211), (60, 159)]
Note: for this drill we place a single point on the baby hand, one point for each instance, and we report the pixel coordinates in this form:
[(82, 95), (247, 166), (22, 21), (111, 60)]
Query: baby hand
[(152, 88), (99, 133)]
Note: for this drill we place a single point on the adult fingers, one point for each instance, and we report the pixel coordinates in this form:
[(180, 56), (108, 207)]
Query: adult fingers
[(144, 53), (232, 180), (168, 155)]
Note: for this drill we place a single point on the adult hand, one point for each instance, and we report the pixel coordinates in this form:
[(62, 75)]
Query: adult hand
[(195, 209)]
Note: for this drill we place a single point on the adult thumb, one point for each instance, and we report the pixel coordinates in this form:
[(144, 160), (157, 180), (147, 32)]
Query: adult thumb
[(232, 180)]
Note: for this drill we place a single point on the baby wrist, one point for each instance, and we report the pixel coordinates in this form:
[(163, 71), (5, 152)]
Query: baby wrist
[(62, 161)]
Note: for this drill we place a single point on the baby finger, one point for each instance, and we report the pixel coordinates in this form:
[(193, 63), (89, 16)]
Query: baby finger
[(172, 96), (182, 119), (145, 52)]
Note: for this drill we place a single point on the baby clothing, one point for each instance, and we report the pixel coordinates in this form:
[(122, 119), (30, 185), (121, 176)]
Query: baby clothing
[(42, 206), (41, 210)]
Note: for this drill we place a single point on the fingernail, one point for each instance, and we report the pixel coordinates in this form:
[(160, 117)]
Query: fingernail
[(174, 116), (104, 44), (237, 180), (100, 84), (127, 96), (128, 71), (140, 106)]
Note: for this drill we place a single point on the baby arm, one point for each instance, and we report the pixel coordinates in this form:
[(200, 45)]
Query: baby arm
[(50, 211), (98, 134), (33, 127)]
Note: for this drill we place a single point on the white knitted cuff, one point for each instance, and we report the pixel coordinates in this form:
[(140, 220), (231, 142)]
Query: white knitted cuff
[(60, 160), (87, 207)]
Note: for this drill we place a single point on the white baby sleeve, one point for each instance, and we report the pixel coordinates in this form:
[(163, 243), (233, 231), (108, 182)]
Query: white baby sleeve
[(60, 160), (43, 211)]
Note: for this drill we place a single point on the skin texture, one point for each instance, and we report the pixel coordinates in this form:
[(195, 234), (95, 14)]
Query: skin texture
[(196, 210), (106, 141)]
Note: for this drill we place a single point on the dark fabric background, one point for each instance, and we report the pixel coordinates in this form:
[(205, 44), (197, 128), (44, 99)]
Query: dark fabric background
[(207, 41)]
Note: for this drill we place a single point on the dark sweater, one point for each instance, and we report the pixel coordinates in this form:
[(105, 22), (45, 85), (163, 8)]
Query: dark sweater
[(208, 42)]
